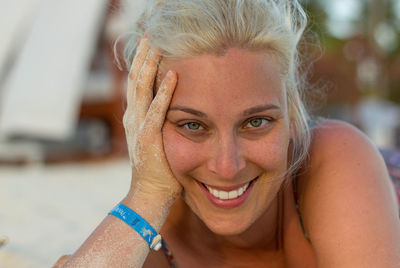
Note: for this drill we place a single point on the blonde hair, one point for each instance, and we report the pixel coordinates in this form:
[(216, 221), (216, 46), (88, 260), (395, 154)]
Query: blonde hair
[(189, 28)]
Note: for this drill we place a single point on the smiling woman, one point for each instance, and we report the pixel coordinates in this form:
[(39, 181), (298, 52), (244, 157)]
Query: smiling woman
[(226, 163), (237, 136)]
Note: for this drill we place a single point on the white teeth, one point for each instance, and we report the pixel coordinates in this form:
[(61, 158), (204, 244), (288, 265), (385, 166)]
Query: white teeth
[(227, 195), (241, 191), (223, 195), (233, 194), (215, 192)]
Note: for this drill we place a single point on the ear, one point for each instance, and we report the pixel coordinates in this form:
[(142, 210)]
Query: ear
[(292, 129), (290, 151), (291, 141), (292, 135)]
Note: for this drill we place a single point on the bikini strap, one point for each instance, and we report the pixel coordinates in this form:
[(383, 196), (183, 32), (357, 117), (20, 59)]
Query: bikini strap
[(296, 200)]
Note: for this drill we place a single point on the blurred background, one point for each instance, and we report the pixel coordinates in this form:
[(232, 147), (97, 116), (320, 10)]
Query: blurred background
[(63, 157)]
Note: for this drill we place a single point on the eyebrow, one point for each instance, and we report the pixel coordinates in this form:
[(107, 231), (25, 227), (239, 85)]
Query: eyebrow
[(247, 112), (188, 110), (260, 108)]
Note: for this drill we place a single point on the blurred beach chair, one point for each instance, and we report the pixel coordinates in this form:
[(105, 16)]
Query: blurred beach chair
[(42, 92), (56, 103)]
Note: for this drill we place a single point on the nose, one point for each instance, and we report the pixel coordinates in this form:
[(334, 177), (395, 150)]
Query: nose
[(226, 159)]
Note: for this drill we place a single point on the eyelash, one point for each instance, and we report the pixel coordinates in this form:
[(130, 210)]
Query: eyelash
[(246, 125), (186, 126), (264, 121)]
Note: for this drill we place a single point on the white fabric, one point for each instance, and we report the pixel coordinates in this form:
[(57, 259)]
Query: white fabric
[(42, 94), (15, 19)]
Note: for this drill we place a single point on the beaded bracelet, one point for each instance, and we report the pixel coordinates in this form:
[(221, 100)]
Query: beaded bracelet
[(140, 225)]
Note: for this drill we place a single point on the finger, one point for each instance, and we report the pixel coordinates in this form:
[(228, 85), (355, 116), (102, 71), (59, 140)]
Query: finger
[(145, 83), (158, 109), (61, 260), (137, 64)]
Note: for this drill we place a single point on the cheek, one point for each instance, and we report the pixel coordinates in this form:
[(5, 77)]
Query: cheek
[(182, 154), (270, 153)]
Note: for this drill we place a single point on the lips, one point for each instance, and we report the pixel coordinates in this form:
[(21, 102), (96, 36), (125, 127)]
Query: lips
[(228, 197)]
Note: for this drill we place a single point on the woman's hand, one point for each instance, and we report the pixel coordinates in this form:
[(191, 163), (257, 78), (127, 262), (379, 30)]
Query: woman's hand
[(143, 122), (61, 261), (153, 187)]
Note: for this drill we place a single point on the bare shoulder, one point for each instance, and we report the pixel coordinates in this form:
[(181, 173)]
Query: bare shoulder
[(338, 147), (348, 202), (333, 137)]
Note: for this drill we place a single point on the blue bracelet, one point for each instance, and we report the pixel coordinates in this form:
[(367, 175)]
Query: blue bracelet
[(141, 226)]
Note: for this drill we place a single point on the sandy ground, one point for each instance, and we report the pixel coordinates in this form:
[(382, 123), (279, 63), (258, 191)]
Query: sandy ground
[(48, 211)]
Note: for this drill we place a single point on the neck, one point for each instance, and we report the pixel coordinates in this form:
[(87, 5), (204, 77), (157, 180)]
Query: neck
[(263, 234)]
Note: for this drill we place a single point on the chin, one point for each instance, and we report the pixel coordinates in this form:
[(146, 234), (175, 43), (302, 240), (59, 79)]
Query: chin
[(228, 227), (227, 223)]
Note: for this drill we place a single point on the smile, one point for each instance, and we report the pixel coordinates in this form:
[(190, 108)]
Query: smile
[(228, 197)]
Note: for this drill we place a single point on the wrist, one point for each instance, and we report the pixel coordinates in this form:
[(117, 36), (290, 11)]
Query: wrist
[(153, 208), (140, 225)]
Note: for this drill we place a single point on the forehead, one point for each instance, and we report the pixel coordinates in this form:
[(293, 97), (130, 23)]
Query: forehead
[(238, 77)]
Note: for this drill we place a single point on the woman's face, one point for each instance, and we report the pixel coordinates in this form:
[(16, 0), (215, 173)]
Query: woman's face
[(227, 129)]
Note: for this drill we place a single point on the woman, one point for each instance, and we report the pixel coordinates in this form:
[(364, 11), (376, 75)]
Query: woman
[(225, 162)]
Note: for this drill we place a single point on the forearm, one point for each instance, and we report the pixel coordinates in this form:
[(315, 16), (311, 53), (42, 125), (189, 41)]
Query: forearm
[(154, 188), (114, 243)]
